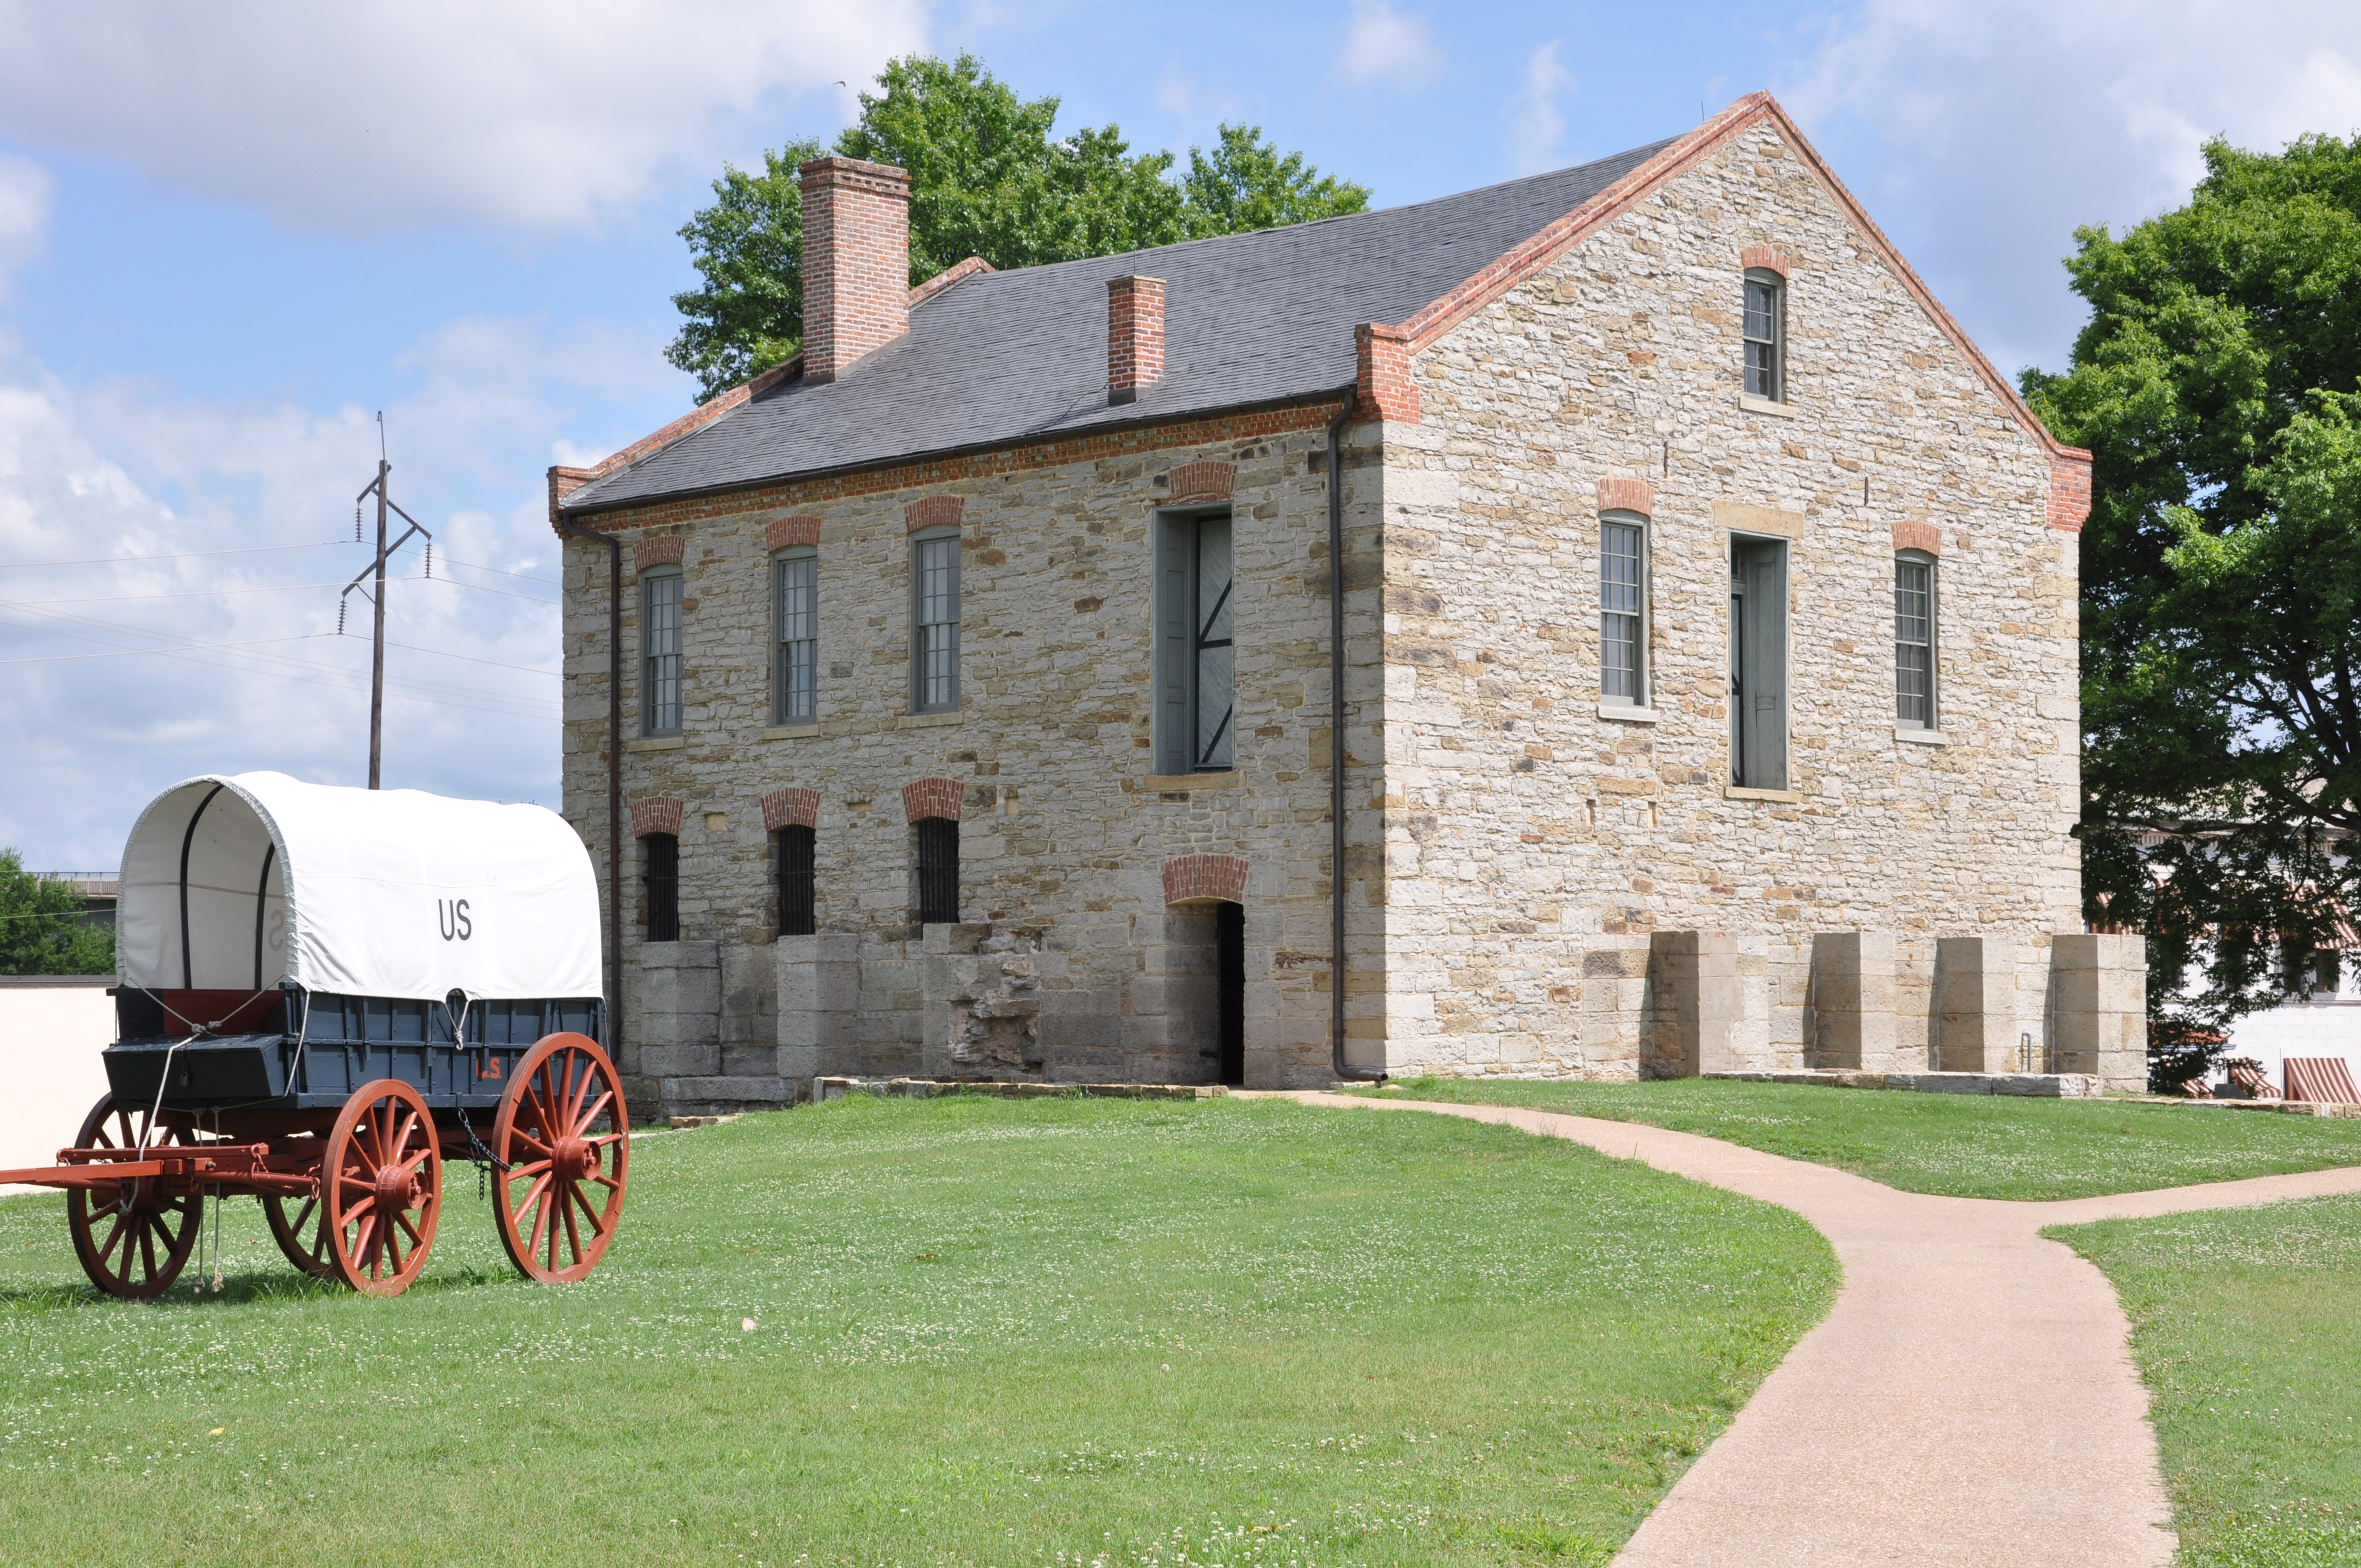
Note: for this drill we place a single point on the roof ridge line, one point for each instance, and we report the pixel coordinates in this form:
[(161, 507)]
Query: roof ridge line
[(1421, 328)]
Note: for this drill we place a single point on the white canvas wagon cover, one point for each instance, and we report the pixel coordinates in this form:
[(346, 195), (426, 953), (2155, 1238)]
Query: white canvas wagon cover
[(235, 883)]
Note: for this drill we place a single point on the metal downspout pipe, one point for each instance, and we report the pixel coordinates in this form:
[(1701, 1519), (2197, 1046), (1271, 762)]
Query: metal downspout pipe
[(1336, 887), (614, 1041)]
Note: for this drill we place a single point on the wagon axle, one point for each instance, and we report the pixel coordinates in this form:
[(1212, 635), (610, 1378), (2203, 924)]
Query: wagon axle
[(366, 1189)]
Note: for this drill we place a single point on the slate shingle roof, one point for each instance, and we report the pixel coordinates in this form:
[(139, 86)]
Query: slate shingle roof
[(1250, 320)]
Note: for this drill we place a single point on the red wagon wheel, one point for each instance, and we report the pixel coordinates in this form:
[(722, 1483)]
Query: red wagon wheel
[(565, 1139), (299, 1226), (382, 1188), (132, 1240)]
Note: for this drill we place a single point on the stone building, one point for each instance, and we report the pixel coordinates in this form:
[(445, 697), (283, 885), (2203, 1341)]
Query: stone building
[(1706, 626)]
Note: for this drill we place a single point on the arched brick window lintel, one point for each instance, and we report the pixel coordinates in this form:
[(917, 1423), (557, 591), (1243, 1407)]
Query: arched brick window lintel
[(658, 814), (664, 550), (790, 807), (940, 797), (1205, 879), (1626, 495), (1926, 536)]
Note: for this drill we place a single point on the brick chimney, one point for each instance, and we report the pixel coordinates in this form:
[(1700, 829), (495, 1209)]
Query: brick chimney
[(856, 261), (1135, 336)]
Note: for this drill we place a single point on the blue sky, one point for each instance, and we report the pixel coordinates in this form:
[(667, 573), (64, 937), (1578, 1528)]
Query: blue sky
[(230, 233)]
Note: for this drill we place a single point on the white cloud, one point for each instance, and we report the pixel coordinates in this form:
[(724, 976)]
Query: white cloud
[(1382, 45), (121, 469), (1983, 134), (533, 114), (24, 215), (1535, 121)]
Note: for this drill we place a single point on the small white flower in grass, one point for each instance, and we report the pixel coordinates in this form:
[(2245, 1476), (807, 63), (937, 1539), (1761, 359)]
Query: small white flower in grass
[(746, 1324)]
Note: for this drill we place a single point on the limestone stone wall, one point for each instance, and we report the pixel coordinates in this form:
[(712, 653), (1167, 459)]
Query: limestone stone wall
[(1533, 844), (1065, 829)]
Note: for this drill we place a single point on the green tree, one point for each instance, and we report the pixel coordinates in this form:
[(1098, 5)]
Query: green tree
[(2215, 385), (987, 179), (40, 931)]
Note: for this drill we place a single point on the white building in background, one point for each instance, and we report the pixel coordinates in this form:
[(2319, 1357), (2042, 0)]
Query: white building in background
[(53, 1028), (2326, 1023)]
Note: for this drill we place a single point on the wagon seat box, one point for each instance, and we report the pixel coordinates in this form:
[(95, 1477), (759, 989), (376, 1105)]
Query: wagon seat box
[(324, 994)]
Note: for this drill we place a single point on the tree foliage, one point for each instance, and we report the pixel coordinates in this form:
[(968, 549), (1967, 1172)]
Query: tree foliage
[(2218, 385), (40, 931), (988, 179)]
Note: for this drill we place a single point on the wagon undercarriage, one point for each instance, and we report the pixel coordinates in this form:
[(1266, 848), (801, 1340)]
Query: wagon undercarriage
[(353, 1193)]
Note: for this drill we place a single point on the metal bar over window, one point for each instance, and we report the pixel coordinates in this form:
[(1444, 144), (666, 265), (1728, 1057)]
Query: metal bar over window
[(794, 850), (661, 853), (935, 842)]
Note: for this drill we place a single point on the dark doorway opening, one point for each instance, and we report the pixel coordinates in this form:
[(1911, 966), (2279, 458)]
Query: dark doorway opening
[(1230, 965)]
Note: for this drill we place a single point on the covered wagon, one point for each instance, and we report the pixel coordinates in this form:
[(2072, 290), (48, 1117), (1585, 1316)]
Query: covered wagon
[(327, 992)]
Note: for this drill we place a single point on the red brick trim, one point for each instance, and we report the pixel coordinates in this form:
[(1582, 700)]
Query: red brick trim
[(2069, 489), (788, 531), (1764, 258), (856, 261), (933, 511), (1205, 879), (1383, 384), (1140, 440), (664, 550), (933, 797), (956, 272), (1135, 336), (564, 482), (1626, 495), (1911, 535), (1203, 481), (1507, 271), (657, 814), (790, 807)]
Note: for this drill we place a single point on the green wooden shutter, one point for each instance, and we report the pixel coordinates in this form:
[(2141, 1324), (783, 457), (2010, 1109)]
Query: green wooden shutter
[(1175, 539)]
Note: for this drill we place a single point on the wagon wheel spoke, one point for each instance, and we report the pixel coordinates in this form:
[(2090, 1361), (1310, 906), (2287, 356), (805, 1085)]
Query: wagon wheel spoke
[(148, 1249), (597, 1226), (589, 1118)]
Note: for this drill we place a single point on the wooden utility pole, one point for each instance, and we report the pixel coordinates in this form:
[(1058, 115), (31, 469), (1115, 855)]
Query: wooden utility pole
[(378, 488), (376, 636)]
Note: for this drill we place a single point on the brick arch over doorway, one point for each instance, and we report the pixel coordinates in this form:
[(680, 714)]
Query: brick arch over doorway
[(1205, 879)]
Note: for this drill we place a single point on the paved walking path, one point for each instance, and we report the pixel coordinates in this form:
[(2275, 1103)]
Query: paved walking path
[(1970, 1399)]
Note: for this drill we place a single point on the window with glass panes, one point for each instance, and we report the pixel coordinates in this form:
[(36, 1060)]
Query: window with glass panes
[(660, 643), (1766, 336), (1914, 641), (935, 641), (794, 675), (1622, 610)]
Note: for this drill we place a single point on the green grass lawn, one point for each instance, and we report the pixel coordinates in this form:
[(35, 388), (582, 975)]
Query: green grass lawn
[(985, 1332), (1967, 1146), (2247, 1324)]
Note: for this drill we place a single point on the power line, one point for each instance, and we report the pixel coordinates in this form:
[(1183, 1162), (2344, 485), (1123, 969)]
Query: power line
[(252, 550), (182, 556), (438, 692), (270, 588)]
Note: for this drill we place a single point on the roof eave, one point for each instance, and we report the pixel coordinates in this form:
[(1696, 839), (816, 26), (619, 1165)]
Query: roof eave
[(944, 453)]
